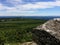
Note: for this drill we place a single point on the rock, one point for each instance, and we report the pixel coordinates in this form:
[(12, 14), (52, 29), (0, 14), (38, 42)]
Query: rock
[(48, 33), (29, 43)]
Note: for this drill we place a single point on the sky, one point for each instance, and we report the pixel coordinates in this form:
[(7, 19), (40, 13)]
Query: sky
[(29, 7)]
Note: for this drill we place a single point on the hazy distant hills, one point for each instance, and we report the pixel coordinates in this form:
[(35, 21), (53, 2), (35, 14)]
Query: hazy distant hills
[(32, 17)]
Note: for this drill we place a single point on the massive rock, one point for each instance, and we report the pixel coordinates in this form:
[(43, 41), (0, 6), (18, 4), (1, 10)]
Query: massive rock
[(47, 33)]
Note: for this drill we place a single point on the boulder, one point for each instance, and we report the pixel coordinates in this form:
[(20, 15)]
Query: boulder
[(47, 33)]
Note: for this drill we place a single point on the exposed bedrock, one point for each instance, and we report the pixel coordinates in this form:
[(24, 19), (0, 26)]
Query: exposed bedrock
[(47, 33)]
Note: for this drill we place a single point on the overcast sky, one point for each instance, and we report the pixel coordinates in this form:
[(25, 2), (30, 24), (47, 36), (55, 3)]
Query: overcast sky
[(29, 7)]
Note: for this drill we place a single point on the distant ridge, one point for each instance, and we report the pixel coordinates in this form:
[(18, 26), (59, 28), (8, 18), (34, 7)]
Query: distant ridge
[(32, 17)]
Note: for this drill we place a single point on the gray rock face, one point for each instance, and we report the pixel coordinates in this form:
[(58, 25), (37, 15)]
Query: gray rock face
[(52, 27), (48, 33)]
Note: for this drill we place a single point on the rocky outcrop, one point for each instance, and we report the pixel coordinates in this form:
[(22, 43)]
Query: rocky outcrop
[(47, 33), (29, 43), (24, 43)]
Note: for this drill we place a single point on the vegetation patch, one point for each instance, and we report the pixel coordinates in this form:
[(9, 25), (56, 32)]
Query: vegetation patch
[(17, 30)]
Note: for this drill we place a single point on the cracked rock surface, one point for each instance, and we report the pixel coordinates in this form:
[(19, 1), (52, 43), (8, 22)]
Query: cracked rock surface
[(48, 33), (52, 27)]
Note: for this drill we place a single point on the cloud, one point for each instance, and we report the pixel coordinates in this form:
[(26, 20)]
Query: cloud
[(21, 8), (42, 5), (14, 2), (29, 6), (37, 5)]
